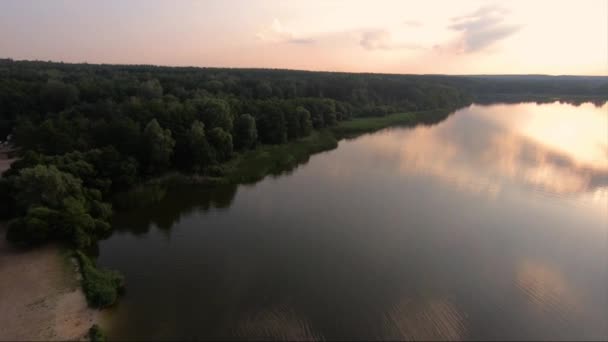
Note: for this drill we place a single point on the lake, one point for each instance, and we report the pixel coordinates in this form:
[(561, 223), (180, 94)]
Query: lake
[(492, 224)]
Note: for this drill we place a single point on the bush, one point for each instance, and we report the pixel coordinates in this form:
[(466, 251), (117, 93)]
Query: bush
[(101, 287), (96, 334)]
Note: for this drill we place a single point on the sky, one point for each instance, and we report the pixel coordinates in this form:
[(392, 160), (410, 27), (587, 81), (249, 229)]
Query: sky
[(383, 36)]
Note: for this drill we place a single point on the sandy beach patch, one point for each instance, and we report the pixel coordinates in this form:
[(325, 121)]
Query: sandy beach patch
[(41, 298)]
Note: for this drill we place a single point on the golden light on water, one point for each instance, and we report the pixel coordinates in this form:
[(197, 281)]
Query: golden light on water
[(547, 289), (552, 148), (580, 132)]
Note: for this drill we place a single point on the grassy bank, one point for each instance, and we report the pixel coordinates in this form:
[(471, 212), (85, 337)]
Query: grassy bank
[(369, 124), (275, 159), (354, 127), (252, 166)]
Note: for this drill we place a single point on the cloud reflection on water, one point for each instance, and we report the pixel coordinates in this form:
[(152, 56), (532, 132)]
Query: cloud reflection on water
[(485, 151)]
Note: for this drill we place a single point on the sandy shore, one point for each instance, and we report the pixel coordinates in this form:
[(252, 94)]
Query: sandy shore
[(41, 298)]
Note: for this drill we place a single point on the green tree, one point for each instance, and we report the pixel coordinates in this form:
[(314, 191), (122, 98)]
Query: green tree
[(293, 124), (271, 124), (55, 205), (263, 90), (38, 225), (150, 89), (216, 113), (158, 146), (200, 151), (56, 95), (221, 142), (305, 123), (245, 132), (45, 186)]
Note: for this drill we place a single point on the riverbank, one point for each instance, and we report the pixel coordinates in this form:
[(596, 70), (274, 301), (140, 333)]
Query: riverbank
[(46, 301), (252, 166), (247, 167), (41, 294), (358, 126)]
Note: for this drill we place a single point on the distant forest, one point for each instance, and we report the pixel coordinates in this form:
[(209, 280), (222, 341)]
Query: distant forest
[(83, 132)]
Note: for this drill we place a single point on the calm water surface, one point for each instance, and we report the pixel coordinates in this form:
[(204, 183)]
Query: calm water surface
[(490, 224)]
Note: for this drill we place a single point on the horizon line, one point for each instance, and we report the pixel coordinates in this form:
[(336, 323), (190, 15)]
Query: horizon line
[(289, 69)]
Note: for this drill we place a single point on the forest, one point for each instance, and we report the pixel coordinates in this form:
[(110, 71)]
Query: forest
[(83, 133)]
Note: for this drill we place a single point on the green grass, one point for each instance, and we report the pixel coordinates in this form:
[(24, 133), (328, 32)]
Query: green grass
[(369, 124), (253, 165)]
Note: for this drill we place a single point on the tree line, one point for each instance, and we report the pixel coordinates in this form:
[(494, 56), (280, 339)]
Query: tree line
[(84, 132)]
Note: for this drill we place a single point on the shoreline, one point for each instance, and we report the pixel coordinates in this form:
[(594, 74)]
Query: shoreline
[(253, 165), (42, 296), (54, 306)]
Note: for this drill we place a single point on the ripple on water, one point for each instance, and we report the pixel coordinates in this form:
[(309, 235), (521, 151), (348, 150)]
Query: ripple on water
[(548, 292), (431, 320), (277, 323)]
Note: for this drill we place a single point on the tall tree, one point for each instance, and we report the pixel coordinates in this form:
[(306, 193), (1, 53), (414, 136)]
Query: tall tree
[(221, 142), (245, 132), (200, 151), (158, 146)]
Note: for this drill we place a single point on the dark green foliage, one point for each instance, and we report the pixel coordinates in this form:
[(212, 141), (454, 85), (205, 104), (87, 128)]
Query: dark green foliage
[(245, 132), (101, 287), (150, 89), (38, 225), (45, 186), (263, 90), (200, 153), (304, 121), (221, 141), (274, 159), (215, 113), (56, 95), (96, 334), (157, 146), (55, 205), (271, 123)]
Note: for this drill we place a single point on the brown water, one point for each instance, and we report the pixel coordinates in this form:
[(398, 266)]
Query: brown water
[(492, 224)]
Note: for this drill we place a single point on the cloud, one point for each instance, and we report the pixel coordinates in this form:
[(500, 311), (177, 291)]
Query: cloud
[(412, 23), (381, 40), (277, 33), (482, 28)]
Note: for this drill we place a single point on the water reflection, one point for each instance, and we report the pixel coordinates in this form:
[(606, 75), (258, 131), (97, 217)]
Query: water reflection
[(463, 230), (547, 289), (170, 203), (485, 149)]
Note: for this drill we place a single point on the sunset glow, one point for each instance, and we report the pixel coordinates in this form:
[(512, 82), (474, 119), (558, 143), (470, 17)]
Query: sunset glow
[(464, 37)]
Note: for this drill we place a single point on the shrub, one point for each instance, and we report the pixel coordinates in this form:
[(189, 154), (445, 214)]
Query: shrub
[(96, 334), (101, 287)]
